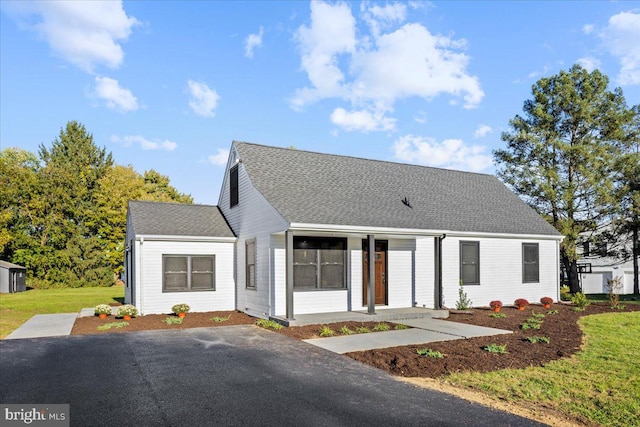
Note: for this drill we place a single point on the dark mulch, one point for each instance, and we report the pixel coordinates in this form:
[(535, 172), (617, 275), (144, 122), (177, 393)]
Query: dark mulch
[(89, 325), (313, 331), (468, 354)]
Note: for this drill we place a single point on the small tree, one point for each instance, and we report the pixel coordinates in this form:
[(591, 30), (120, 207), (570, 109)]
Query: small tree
[(613, 288), (463, 302)]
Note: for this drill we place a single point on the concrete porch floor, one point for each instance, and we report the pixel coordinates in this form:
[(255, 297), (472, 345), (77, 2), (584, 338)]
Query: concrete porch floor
[(382, 314)]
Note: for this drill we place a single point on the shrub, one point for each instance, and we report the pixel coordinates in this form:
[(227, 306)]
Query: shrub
[(498, 315), (521, 302), (546, 300), (552, 312), (565, 293), (326, 331), (580, 300), (495, 304), (535, 339), (268, 324), (103, 309), (530, 325), (112, 325), (363, 330), (463, 302), (381, 327), (220, 319), (127, 310), (537, 315), (180, 308), (430, 353), (173, 320), (495, 348), (346, 331), (400, 327), (613, 287)]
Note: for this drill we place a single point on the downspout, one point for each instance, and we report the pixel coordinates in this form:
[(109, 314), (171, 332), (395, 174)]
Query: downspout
[(438, 299), (141, 287)]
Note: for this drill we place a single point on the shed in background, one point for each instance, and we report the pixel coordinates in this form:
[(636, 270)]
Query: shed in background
[(12, 277)]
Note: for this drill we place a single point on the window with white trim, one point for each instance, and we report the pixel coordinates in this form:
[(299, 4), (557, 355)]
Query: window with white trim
[(470, 263), (183, 273), (319, 263), (530, 263)]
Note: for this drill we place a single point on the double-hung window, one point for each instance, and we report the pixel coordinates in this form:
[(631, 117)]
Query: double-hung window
[(530, 263), (188, 273), (470, 263), (319, 263)]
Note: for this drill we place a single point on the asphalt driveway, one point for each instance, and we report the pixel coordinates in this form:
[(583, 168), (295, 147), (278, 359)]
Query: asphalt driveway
[(237, 375)]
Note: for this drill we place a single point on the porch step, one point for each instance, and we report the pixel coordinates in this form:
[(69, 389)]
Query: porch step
[(382, 314)]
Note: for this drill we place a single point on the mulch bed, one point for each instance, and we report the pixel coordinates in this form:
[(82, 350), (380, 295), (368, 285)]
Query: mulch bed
[(89, 325), (468, 354), (313, 331)]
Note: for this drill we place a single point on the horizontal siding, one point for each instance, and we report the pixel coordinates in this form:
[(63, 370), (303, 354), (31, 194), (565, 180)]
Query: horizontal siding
[(425, 272), (500, 272), (319, 301), (151, 300)]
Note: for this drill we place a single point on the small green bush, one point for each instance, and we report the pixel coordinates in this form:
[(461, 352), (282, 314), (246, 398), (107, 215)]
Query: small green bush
[(400, 327), (268, 324), (619, 307), (535, 339), (430, 353), (552, 312), (530, 325), (463, 302), (498, 315), (173, 320), (496, 348), (346, 331), (565, 293), (220, 319), (326, 331), (537, 315), (580, 300), (117, 325), (381, 327), (363, 330)]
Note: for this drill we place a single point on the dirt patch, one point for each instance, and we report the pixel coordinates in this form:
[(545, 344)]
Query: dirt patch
[(89, 325), (468, 354), (313, 331)]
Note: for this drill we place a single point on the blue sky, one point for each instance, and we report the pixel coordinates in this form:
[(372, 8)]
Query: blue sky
[(168, 85)]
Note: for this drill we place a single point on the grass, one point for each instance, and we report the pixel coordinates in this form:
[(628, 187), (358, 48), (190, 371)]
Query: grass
[(17, 308), (601, 383), (633, 299)]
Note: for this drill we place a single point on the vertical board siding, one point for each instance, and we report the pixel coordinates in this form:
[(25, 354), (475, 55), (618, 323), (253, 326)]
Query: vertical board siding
[(500, 271), (151, 299), (252, 218), (425, 272)]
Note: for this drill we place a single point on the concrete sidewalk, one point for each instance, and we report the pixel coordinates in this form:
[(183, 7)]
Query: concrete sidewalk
[(425, 330), (45, 325)]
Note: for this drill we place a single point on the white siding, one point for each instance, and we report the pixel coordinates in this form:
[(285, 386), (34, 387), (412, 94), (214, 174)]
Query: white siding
[(129, 283), (500, 271), (425, 272), (319, 301), (149, 296), (628, 282), (595, 283), (252, 218)]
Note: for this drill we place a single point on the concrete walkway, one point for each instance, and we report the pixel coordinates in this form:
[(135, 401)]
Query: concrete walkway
[(45, 325), (425, 330)]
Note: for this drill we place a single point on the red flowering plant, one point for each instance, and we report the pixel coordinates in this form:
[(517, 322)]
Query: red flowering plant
[(495, 304), (546, 301), (521, 303)]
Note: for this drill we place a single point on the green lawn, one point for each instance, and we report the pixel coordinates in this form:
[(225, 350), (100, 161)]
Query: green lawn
[(633, 299), (600, 384), (15, 309)]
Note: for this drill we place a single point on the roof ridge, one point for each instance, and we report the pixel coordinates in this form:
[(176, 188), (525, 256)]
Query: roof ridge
[(171, 203), (362, 158)]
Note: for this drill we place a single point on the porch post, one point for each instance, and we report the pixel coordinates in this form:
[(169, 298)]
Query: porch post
[(371, 286), (288, 237)]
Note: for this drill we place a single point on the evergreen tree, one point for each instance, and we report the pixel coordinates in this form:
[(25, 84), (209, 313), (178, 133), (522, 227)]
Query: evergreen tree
[(561, 154)]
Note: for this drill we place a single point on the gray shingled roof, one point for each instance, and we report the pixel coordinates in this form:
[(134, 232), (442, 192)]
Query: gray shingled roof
[(308, 187), (176, 219)]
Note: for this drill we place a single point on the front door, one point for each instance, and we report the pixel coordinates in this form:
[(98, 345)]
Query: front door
[(380, 272)]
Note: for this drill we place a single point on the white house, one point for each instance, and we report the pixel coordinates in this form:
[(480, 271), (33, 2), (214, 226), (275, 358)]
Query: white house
[(326, 233), (178, 253)]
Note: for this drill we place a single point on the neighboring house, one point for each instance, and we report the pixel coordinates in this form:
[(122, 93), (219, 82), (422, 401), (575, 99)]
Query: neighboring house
[(12, 278), (604, 268), (305, 223), (178, 253)]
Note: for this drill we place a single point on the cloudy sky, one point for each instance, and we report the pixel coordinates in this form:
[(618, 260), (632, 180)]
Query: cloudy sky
[(169, 85)]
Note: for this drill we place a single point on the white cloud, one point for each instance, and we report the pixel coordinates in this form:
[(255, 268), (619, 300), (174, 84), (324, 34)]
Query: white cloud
[(145, 143), (252, 41), (621, 39), (116, 97), (203, 100), (81, 32), (587, 28), (589, 63), (450, 153), (482, 131), (372, 72), (220, 158), (364, 121)]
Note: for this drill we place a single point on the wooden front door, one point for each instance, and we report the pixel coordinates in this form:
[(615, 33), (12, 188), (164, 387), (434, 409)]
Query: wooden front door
[(380, 272)]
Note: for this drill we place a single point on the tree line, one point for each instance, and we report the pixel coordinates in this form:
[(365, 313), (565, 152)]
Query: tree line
[(63, 211), (574, 156)]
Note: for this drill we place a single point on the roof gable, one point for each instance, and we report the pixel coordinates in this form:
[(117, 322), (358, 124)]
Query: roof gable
[(315, 188), (177, 219)]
